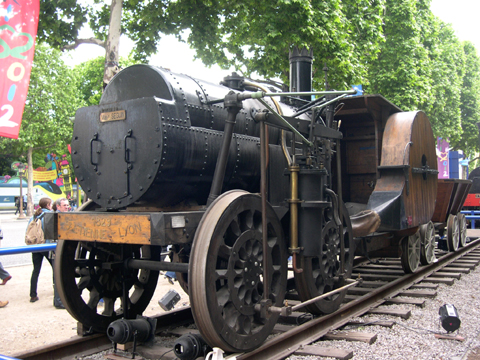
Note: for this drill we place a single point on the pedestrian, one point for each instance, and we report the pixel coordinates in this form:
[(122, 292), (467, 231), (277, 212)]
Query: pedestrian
[(4, 275), (17, 203), (45, 205), (62, 205)]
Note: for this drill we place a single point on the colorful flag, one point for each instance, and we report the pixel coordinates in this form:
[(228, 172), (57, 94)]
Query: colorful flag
[(18, 30)]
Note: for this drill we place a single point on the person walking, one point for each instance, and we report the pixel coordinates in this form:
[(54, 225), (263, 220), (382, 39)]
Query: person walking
[(45, 205), (4, 275)]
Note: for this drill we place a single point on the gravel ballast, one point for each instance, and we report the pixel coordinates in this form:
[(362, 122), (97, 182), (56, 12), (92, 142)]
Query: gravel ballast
[(414, 338)]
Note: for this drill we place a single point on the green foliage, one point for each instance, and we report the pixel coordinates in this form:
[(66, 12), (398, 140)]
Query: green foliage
[(60, 21), (5, 162), (401, 70), (256, 36), (422, 65), (447, 68), (90, 75), (397, 48), (50, 106), (470, 102), (91, 83)]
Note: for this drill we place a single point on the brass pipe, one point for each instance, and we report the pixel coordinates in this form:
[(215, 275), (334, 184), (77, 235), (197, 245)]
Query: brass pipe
[(294, 169), (263, 192), (294, 200)]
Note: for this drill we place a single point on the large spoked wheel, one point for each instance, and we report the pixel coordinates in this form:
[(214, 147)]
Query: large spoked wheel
[(453, 233), (410, 258), (321, 273), (462, 226), (226, 272), (87, 272), (427, 250)]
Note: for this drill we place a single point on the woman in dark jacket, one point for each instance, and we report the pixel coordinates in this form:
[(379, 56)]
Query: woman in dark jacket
[(45, 205)]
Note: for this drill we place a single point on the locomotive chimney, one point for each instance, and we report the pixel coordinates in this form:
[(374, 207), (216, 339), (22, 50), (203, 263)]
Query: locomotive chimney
[(301, 70)]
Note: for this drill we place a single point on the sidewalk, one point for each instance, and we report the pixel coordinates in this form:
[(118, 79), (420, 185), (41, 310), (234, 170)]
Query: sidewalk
[(9, 215)]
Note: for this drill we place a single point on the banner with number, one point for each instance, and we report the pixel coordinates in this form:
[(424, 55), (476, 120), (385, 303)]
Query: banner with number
[(18, 30)]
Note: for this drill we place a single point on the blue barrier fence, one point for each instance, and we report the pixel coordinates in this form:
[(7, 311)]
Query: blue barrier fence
[(28, 249), (5, 357), (474, 215)]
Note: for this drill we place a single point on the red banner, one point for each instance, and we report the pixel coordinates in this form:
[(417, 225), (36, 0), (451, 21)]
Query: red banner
[(18, 30)]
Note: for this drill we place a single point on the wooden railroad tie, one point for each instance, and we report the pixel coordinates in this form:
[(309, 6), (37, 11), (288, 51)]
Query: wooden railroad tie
[(446, 274), (313, 350), (368, 338), (422, 285), (439, 281), (404, 314), (416, 302)]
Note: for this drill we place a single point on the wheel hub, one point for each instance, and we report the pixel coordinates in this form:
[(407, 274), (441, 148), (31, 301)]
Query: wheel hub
[(246, 269), (331, 242)]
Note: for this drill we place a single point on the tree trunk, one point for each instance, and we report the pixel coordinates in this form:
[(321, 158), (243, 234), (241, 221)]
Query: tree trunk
[(30, 182), (111, 48)]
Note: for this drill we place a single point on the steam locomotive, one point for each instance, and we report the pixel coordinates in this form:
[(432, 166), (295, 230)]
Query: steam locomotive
[(237, 178)]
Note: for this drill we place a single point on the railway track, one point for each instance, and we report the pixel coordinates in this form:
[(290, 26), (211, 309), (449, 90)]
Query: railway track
[(383, 283)]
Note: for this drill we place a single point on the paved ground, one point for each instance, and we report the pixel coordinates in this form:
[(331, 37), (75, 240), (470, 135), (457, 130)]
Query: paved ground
[(13, 236), (25, 325)]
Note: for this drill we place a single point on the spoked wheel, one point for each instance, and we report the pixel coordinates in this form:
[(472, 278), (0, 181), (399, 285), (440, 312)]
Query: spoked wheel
[(462, 227), (86, 272), (427, 250), (453, 233), (226, 272), (321, 273), (411, 253)]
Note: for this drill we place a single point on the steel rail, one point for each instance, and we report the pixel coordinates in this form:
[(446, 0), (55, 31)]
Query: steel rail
[(88, 345), (287, 343), (279, 347)]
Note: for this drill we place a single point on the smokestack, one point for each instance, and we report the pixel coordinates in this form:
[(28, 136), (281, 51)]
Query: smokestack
[(301, 70)]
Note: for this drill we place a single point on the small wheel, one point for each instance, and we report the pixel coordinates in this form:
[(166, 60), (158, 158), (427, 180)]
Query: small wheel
[(86, 272), (411, 253), (462, 226), (427, 236), (453, 233), (321, 274), (225, 275)]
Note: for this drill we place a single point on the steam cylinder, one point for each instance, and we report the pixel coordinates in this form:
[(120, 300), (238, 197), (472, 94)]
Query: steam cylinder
[(153, 139)]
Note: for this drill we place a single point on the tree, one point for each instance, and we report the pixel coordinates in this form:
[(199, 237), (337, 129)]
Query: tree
[(421, 66), (90, 76), (446, 71), (49, 110), (251, 35), (401, 70), (255, 36), (393, 47), (470, 101)]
